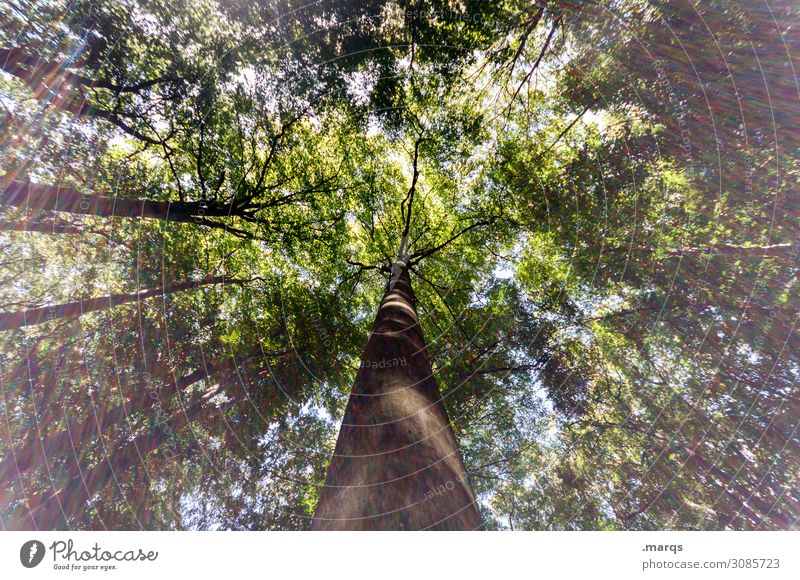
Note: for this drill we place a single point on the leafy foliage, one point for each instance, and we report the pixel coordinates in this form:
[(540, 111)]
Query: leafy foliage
[(599, 200)]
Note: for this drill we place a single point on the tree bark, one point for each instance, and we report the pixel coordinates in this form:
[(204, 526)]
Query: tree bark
[(36, 197), (396, 465), (31, 316)]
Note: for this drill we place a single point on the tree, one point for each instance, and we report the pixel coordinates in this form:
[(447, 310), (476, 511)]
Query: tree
[(396, 465), (594, 203), (9, 320)]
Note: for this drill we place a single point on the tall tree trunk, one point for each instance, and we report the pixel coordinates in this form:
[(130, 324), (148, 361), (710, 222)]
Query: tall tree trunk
[(36, 197), (31, 316), (396, 465)]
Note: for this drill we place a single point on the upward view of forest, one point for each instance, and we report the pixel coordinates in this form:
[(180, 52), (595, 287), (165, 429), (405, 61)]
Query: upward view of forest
[(394, 264)]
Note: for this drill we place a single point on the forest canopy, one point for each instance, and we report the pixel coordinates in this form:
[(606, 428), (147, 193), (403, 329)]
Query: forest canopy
[(215, 215)]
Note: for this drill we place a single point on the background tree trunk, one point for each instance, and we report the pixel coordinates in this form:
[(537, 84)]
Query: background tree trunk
[(36, 197), (784, 250), (31, 316), (396, 465)]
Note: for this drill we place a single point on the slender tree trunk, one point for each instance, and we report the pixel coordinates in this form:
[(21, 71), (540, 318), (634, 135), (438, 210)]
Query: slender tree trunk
[(396, 465), (765, 251), (36, 197), (783, 251), (31, 316)]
